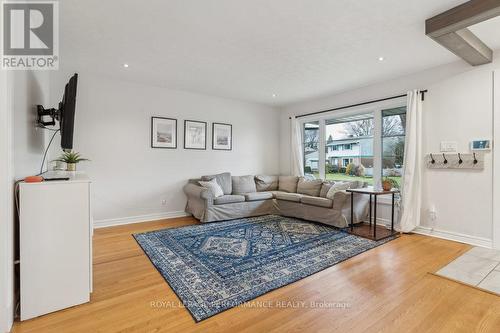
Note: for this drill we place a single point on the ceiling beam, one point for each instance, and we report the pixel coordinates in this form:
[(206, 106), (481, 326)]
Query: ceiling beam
[(450, 30)]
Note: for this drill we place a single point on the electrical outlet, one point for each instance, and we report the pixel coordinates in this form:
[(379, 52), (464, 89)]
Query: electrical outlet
[(164, 202), (432, 215)]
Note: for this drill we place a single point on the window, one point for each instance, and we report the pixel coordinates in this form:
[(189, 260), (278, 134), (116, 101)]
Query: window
[(362, 146), (353, 158), (311, 146), (393, 142)]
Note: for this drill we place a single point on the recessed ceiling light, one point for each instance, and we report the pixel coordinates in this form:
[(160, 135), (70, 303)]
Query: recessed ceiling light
[(125, 65), (380, 58), (274, 95)]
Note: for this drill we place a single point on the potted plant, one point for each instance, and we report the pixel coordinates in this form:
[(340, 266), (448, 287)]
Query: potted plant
[(71, 159), (389, 183)]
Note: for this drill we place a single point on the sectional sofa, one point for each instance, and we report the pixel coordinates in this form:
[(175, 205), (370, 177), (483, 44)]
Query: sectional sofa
[(246, 196)]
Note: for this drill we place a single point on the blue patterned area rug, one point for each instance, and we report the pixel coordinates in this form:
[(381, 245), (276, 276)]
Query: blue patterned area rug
[(216, 266)]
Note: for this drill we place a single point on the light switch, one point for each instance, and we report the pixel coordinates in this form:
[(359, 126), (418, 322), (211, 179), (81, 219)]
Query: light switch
[(448, 146)]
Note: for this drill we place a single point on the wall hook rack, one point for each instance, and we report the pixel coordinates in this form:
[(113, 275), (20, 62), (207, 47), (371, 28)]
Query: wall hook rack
[(455, 161)]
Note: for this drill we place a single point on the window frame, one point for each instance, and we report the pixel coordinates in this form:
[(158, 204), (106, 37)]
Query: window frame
[(376, 110)]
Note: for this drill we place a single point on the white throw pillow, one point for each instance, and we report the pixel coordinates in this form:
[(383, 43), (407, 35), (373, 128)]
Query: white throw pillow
[(213, 187), (337, 187)]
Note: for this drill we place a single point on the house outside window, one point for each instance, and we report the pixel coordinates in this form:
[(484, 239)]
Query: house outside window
[(357, 145)]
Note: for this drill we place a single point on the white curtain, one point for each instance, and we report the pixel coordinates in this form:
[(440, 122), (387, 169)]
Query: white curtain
[(296, 155), (411, 189)]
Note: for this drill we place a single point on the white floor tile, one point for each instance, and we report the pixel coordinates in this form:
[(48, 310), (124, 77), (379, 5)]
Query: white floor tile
[(491, 282), (468, 269), (485, 253)]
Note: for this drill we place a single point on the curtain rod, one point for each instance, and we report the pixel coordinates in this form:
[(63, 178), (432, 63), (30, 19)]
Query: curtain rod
[(358, 104)]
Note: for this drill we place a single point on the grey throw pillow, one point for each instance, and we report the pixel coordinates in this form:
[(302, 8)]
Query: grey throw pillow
[(288, 184), (243, 184), (309, 187), (223, 179), (266, 183), (213, 187)]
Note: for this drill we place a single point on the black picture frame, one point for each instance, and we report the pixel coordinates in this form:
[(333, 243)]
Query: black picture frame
[(185, 133), (152, 134), (214, 138)]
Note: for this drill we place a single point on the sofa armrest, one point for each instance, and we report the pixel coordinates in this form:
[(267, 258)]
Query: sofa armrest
[(198, 192), (340, 198)]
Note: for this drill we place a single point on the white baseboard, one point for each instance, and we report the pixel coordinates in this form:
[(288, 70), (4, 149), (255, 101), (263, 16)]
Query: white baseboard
[(455, 236), (448, 235), (136, 219)]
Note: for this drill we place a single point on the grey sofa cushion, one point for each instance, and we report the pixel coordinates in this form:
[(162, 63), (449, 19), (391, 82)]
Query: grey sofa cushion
[(258, 196), (317, 201), (325, 187), (266, 183), (229, 198), (288, 184), (309, 187), (294, 197), (243, 184), (223, 179)]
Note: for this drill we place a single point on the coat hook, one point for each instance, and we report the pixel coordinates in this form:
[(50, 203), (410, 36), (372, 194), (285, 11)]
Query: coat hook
[(445, 160), (460, 161), (475, 159), (433, 161)]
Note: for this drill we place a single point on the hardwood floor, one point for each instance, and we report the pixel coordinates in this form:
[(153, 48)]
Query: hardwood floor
[(387, 289)]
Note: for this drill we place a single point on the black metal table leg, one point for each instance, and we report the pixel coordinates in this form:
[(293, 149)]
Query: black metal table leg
[(392, 215), (375, 218), (352, 211), (370, 216)]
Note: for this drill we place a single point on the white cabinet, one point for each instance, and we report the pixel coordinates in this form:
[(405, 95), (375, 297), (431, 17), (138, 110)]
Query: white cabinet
[(55, 230)]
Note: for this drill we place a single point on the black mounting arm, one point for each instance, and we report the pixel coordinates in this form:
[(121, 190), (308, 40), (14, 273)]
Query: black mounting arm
[(42, 113)]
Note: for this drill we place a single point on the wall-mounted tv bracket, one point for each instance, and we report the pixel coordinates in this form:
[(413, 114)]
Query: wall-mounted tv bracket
[(43, 112)]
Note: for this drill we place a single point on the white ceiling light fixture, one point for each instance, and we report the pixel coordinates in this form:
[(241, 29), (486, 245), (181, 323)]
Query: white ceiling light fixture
[(274, 95), (381, 58), (125, 65)]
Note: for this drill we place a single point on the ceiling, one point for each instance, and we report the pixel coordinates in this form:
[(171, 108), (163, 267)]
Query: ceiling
[(250, 50)]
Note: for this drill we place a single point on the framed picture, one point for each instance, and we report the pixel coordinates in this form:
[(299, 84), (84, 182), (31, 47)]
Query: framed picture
[(222, 136), (163, 133), (480, 145), (195, 134)]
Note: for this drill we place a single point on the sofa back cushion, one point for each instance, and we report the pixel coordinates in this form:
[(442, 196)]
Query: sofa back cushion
[(223, 179), (213, 187), (288, 184), (309, 187), (325, 187), (266, 183), (243, 184)]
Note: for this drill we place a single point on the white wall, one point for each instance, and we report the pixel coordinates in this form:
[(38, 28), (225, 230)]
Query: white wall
[(29, 89), (129, 178), (458, 107), (496, 161)]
